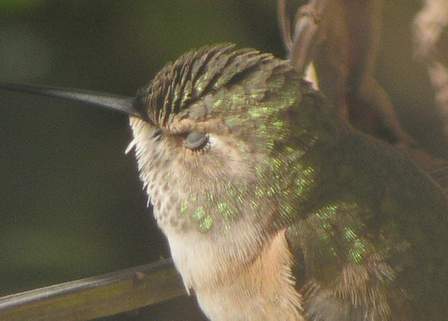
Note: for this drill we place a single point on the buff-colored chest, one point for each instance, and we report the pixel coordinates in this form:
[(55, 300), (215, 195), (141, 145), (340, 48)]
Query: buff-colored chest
[(240, 286)]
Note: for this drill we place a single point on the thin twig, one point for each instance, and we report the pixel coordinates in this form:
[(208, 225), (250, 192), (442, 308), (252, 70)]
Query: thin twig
[(284, 24), (306, 29), (307, 25), (95, 297)]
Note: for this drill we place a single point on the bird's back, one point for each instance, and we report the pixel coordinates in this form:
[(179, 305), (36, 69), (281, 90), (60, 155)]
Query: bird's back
[(374, 248)]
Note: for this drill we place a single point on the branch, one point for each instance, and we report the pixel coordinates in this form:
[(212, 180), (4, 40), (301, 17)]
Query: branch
[(302, 42), (95, 297), (284, 23), (341, 37)]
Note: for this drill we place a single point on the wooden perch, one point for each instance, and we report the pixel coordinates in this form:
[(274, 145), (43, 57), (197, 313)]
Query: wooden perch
[(95, 297)]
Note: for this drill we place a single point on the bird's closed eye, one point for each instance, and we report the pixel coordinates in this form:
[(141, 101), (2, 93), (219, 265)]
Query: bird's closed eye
[(196, 141)]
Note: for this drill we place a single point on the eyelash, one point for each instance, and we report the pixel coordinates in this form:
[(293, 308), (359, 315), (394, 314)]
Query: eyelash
[(204, 148)]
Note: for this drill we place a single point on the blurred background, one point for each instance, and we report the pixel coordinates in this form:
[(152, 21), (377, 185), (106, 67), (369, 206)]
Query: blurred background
[(71, 202)]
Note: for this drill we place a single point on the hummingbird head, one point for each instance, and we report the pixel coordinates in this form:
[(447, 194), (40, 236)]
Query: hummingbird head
[(223, 125), (218, 136)]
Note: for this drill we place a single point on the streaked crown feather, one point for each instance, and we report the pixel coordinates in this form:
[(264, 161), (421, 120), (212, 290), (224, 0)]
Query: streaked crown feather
[(194, 75)]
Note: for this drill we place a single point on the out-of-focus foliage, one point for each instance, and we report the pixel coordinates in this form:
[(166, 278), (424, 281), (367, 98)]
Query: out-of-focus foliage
[(71, 202), (431, 39), (16, 5)]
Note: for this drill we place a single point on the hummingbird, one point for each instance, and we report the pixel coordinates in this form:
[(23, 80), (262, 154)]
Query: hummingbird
[(274, 209)]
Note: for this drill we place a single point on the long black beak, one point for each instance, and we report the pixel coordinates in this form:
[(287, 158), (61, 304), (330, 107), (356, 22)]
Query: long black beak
[(122, 104)]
